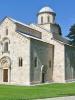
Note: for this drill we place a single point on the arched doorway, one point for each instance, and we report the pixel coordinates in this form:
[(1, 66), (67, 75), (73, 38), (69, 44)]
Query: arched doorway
[(44, 73), (5, 75), (5, 64)]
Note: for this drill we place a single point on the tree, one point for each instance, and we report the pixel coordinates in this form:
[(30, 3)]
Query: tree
[(71, 34)]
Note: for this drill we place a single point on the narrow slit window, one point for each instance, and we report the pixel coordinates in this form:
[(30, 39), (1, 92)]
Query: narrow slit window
[(48, 18), (50, 64), (6, 47), (20, 62), (35, 62), (6, 31), (41, 20)]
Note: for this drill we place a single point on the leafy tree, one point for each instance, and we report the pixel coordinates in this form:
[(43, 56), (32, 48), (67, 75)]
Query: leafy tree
[(71, 34)]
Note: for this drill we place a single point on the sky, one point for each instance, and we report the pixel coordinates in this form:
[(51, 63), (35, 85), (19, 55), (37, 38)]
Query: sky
[(26, 11)]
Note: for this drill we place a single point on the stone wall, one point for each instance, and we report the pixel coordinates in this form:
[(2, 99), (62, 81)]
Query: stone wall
[(59, 55), (59, 62), (19, 46), (44, 54), (69, 63), (45, 34)]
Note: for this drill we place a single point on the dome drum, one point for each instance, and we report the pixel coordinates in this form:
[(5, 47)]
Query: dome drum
[(46, 16)]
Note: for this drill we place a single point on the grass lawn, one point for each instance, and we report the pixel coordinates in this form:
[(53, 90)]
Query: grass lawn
[(35, 92)]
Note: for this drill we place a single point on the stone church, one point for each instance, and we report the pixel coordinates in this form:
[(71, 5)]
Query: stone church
[(35, 53)]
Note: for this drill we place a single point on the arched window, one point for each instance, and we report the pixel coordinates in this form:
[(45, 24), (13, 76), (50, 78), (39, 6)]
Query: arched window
[(20, 61), (6, 47), (41, 20), (48, 19)]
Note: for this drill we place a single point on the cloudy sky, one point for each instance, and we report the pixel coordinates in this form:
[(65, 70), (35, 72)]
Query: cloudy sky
[(26, 11)]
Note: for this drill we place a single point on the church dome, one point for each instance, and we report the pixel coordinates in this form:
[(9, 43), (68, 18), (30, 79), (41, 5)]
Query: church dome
[(46, 9), (46, 15)]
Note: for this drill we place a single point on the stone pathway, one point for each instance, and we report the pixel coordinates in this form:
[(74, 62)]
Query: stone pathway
[(60, 98)]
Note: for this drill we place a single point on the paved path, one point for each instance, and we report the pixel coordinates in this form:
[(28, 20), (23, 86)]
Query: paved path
[(61, 98)]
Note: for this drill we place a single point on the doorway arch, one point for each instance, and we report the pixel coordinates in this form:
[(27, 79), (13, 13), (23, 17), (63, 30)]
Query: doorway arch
[(5, 65)]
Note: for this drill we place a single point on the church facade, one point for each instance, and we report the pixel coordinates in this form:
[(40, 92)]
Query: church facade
[(35, 53)]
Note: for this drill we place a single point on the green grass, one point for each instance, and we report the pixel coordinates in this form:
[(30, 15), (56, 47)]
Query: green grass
[(8, 92)]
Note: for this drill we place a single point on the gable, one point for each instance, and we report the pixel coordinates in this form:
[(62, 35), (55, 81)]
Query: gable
[(7, 23)]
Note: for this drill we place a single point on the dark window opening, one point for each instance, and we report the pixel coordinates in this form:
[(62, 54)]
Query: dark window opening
[(20, 62), (50, 64), (48, 19), (35, 62), (6, 31), (41, 20), (6, 47)]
